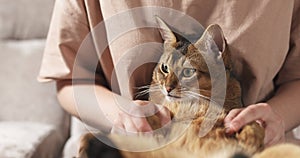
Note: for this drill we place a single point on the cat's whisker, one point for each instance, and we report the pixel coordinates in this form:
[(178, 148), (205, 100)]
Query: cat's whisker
[(182, 89), (190, 95), (147, 91), (199, 90), (197, 95), (141, 93), (147, 86), (142, 87), (144, 91)]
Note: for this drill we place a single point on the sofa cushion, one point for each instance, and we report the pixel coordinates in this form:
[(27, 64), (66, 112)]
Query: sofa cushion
[(24, 19), (22, 97), (21, 139)]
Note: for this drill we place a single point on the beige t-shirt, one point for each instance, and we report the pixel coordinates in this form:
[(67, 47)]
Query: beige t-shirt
[(86, 41)]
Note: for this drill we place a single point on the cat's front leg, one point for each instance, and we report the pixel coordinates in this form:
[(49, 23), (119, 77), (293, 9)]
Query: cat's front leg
[(251, 137)]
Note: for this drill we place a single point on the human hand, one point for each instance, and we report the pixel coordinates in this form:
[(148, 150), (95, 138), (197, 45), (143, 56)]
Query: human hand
[(136, 122), (261, 113)]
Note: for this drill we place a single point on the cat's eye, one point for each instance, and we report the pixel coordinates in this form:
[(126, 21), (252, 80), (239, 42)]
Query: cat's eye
[(164, 68), (188, 72)]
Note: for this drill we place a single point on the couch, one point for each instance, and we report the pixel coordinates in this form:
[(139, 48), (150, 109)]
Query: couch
[(32, 124)]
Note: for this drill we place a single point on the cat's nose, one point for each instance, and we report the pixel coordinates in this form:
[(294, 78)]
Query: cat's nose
[(169, 89)]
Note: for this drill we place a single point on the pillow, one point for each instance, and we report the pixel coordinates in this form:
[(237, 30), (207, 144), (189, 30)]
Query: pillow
[(22, 96), (25, 19), (21, 139)]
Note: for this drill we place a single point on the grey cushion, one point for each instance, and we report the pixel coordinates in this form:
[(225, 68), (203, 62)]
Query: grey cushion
[(22, 139), (22, 97), (24, 19)]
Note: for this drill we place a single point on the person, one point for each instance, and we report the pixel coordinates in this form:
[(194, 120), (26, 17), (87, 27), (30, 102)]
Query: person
[(263, 37)]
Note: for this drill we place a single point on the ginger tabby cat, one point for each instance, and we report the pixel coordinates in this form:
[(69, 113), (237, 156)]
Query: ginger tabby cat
[(182, 82)]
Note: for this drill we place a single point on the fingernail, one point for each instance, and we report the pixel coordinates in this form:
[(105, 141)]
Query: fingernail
[(227, 127), (227, 124), (234, 126), (230, 128), (229, 131)]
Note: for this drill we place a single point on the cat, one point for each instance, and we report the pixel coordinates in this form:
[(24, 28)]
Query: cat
[(181, 82)]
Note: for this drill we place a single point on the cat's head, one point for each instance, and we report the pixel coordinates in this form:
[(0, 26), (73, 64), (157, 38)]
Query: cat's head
[(182, 71)]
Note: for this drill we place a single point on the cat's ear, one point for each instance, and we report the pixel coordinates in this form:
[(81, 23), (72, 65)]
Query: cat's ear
[(213, 40), (166, 33)]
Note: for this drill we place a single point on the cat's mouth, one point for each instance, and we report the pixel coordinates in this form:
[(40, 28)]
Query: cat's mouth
[(171, 97), (174, 96)]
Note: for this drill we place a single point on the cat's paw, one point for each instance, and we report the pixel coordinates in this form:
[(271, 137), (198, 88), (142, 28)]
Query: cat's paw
[(251, 136)]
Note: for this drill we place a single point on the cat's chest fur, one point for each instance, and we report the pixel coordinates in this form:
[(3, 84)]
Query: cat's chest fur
[(189, 119)]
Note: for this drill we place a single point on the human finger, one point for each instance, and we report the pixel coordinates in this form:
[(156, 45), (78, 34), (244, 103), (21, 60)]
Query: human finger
[(250, 114), (164, 115), (129, 124), (118, 127), (141, 124), (231, 115), (144, 109)]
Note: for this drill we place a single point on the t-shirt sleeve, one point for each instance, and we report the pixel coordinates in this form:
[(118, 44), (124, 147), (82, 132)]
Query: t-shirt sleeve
[(290, 70), (70, 52)]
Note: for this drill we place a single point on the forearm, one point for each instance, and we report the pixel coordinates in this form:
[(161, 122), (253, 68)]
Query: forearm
[(286, 103), (93, 104)]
